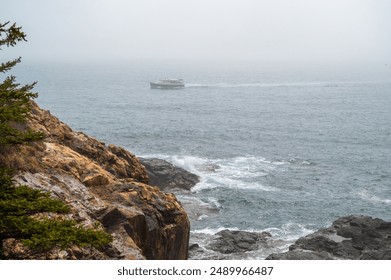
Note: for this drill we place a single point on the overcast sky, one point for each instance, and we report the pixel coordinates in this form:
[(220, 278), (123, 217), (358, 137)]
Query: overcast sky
[(261, 30)]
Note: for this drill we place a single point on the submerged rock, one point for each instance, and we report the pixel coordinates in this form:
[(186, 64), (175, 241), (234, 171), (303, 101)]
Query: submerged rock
[(351, 237), (166, 176)]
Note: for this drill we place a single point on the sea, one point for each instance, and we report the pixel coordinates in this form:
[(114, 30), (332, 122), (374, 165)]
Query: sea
[(283, 149)]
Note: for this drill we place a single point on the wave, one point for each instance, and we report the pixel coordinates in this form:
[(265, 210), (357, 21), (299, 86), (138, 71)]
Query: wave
[(198, 209), (365, 195), (235, 173), (212, 231), (288, 231), (216, 182)]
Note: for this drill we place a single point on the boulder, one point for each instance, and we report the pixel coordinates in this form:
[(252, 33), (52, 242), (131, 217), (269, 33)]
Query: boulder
[(351, 237), (166, 176), (299, 255), (228, 242)]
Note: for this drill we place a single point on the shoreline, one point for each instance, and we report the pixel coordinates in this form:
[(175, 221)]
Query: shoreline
[(349, 237)]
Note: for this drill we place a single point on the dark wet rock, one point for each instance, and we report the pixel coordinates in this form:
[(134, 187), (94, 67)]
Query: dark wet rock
[(299, 255), (351, 237), (238, 241), (195, 250), (165, 175), (194, 246)]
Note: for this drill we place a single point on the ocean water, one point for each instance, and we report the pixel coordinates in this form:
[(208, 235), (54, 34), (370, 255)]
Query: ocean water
[(286, 150)]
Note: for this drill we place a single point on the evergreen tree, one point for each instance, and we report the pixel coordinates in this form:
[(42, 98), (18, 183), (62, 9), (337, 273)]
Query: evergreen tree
[(19, 204), (14, 99)]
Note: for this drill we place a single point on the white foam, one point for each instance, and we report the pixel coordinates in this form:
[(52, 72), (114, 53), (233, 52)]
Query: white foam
[(202, 217), (244, 172), (365, 195), (289, 231), (200, 209), (280, 162), (231, 184), (238, 173), (211, 201), (212, 231), (189, 163)]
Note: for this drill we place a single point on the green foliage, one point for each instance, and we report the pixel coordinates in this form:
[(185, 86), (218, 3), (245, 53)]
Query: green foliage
[(14, 99), (19, 204), (22, 209), (22, 200), (10, 35), (48, 234)]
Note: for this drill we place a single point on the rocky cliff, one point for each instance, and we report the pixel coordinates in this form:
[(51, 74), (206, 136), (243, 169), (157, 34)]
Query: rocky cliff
[(102, 184)]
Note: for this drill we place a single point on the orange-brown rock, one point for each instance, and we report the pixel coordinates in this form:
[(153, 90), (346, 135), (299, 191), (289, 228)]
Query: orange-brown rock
[(104, 184)]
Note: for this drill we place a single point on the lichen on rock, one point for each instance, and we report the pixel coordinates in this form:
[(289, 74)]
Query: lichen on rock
[(102, 184)]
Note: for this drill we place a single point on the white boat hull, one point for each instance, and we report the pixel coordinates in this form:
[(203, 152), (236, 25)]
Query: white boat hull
[(168, 84)]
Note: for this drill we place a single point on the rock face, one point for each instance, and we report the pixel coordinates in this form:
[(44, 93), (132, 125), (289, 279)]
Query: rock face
[(352, 237), (166, 176), (104, 184)]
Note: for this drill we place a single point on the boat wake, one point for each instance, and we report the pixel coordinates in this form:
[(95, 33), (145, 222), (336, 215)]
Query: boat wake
[(259, 85), (292, 84)]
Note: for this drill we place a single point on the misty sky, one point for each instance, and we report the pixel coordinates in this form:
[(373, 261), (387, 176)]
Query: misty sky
[(340, 31)]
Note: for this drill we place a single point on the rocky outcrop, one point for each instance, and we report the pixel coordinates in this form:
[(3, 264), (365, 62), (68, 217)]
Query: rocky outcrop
[(166, 176), (228, 242), (231, 245), (352, 237), (103, 184)]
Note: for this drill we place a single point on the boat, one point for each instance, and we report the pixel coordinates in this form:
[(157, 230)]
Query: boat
[(168, 84)]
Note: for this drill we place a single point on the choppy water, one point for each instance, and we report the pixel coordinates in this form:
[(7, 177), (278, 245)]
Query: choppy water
[(283, 150)]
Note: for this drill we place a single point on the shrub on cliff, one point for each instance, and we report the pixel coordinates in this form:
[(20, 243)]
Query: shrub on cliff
[(22, 209)]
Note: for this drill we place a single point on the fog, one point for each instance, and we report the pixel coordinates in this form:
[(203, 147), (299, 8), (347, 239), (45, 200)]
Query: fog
[(290, 31)]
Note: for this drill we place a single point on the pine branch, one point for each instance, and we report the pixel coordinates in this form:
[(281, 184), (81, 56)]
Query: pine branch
[(12, 35), (6, 66)]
